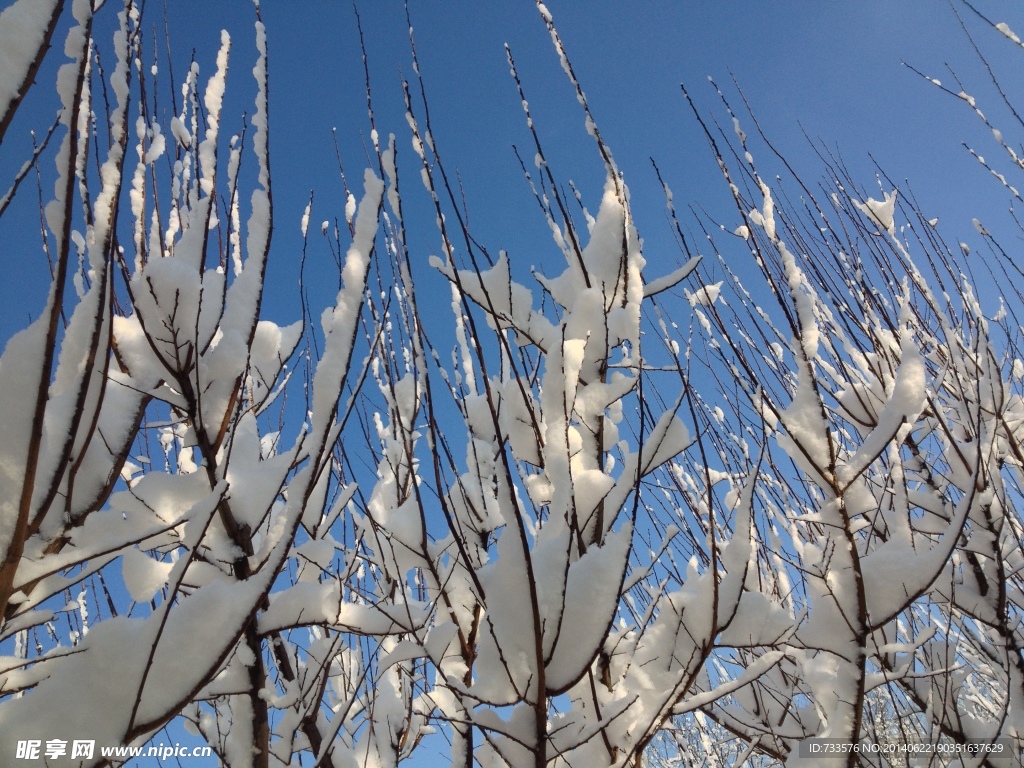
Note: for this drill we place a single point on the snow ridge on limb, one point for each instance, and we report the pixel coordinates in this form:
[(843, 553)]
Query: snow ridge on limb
[(542, 516), (891, 416), (191, 364), (26, 28), (28, 363)]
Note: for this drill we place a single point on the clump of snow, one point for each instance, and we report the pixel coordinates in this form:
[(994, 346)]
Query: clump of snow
[(1003, 27), (705, 296), (880, 212), (143, 575)]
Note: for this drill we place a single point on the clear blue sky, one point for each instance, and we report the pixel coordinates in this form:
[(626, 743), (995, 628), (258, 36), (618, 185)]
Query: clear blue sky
[(832, 68)]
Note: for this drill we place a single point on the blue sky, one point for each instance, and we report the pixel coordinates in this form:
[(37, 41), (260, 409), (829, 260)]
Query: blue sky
[(832, 70)]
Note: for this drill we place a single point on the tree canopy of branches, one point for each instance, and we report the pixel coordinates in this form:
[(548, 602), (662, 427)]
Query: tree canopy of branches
[(605, 528)]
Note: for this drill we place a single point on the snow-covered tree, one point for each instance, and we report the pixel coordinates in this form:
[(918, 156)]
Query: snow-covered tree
[(588, 538), (175, 356)]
